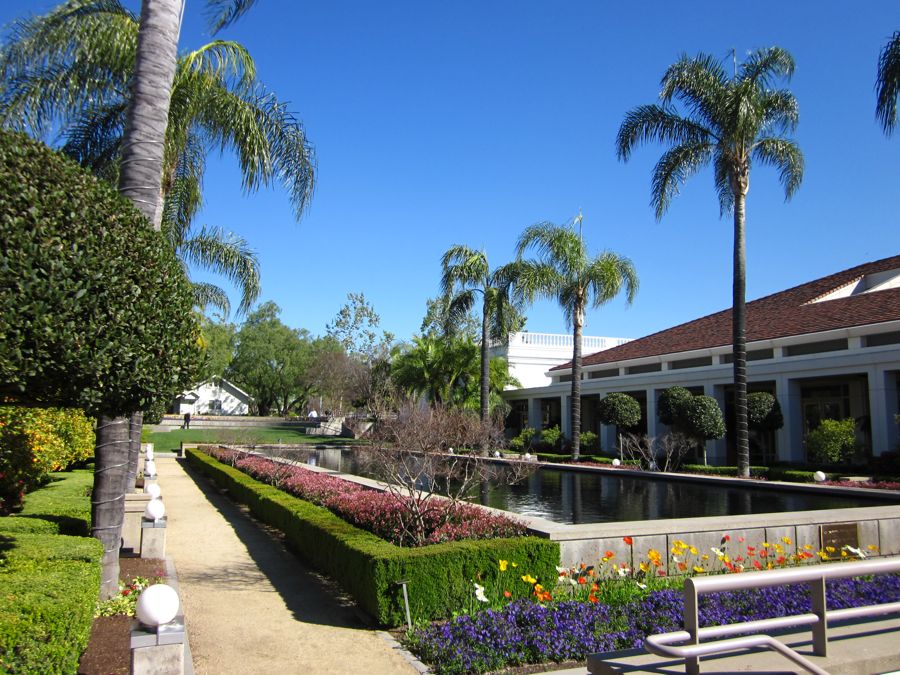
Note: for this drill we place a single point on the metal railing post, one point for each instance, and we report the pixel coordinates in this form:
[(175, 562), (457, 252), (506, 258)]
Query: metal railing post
[(691, 625), (819, 608)]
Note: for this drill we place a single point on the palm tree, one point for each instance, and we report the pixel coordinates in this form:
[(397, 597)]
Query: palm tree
[(467, 273), (728, 122), (887, 84), (565, 272), (68, 73)]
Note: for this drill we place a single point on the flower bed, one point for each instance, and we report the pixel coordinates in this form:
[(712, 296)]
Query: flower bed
[(380, 513), (526, 632)]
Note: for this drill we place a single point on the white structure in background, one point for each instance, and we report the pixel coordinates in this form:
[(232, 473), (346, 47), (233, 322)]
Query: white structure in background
[(531, 355), (217, 396)]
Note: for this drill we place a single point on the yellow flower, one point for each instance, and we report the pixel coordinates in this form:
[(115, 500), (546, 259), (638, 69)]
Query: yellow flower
[(528, 579), (693, 550), (872, 547), (787, 540), (515, 564), (645, 567), (830, 549), (766, 544), (808, 547), (698, 570), (705, 556), (503, 565)]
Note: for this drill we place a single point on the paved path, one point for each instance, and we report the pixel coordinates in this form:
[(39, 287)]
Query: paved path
[(250, 605)]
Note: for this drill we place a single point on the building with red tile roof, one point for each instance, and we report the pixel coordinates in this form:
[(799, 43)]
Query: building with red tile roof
[(829, 348)]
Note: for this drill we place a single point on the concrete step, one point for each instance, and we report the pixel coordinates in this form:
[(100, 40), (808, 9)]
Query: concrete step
[(854, 648)]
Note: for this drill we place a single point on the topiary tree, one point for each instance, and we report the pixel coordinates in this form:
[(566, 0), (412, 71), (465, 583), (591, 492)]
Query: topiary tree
[(832, 441), (95, 309), (764, 412), (620, 410), (670, 406), (702, 420)]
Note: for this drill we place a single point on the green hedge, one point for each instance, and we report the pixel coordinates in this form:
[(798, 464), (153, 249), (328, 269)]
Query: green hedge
[(64, 503), (50, 585), (439, 576), (755, 471), (796, 475), (599, 459)]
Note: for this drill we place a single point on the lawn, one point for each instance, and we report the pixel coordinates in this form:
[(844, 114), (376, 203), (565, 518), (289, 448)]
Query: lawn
[(171, 440)]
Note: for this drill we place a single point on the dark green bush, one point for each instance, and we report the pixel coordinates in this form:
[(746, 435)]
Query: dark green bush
[(670, 406), (764, 412), (551, 438), (440, 577), (50, 588), (755, 471), (620, 410), (702, 418), (832, 441), (95, 308), (795, 475), (64, 502)]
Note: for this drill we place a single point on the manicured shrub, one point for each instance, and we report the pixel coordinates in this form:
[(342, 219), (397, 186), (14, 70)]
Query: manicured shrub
[(620, 410), (705, 469), (439, 576), (832, 441), (551, 438), (702, 418), (670, 406), (764, 412), (590, 441), (50, 587), (34, 442), (522, 442)]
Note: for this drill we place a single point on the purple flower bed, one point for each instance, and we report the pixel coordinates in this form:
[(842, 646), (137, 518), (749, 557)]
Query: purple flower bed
[(378, 512), (525, 632)]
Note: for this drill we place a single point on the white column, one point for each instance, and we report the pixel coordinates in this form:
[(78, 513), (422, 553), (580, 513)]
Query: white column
[(534, 413), (882, 408), (789, 438), (651, 412), (565, 409), (717, 450)]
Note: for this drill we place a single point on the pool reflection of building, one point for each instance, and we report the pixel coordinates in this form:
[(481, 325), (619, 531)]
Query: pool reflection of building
[(829, 348)]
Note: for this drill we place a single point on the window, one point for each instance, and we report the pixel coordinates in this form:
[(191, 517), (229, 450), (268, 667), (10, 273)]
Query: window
[(215, 406)]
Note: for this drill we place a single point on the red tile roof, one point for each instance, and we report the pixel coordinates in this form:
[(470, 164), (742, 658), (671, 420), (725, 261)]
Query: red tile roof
[(782, 314)]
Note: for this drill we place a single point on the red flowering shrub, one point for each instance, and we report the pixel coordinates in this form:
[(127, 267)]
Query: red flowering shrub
[(382, 513)]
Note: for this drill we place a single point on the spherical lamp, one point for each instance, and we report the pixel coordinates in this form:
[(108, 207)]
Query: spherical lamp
[(149, 453), (527, 455), (496, 453), (149, 468), (617, 462), (155, 509), (158, 604), (819, 476), (153, 490)]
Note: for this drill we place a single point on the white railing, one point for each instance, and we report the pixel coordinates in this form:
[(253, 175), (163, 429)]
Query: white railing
[(560, 340), (818, 619)]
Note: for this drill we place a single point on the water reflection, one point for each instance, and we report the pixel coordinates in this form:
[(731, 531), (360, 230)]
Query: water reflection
[(579, 497)]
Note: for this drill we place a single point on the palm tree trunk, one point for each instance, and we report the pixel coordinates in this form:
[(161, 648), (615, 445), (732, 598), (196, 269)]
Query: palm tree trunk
[(739, 329), (485, 362), (108, 497), (575, 405), (143, 144)]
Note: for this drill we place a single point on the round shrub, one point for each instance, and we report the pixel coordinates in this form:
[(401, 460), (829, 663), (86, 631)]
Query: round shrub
[(670, 406), (95, 308), (619, 409), (764, 412), (832, 441), (702, 418)]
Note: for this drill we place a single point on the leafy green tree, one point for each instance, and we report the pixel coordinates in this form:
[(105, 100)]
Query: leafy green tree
[(564, 271), (219, 339), (466, 274), (670, 406), (832, 441), (701, 419), (729, 123), (272, 362), (764, 412), (437, 321), (68, 73), (96, 311), (887, 84), (355, 327), (620, 410)]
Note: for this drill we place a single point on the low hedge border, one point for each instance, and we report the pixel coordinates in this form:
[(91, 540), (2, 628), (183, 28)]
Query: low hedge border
[(439, 577), (706, 470)]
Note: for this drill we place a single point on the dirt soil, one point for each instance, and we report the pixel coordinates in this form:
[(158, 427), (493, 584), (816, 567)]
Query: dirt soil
[(109, 649)]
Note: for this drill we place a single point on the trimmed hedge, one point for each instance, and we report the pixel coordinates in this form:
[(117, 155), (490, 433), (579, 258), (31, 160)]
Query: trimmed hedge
[(599, 459), (64, 504), (755, 471), (50, 588), (439, 577)]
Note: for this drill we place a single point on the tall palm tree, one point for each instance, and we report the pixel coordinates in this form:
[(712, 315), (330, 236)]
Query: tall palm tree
[(728, 122), (887, 84), (68, 73), (465, 274), (565, 271)]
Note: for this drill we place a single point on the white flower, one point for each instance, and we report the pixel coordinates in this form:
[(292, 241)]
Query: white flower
[(562, 569), (716, 551), (623, 571), (642, 586), (479, 593), (855, 551)]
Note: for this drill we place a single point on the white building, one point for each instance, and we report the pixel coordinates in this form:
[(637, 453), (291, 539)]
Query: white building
[(217, 396), (531, 355), (829, 348)]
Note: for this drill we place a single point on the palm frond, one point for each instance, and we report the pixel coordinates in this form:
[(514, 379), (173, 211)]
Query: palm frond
[(93, 140), (608, 275), (763, 66), (784, 155), (656, 124), (887, 84), (674, 167), (223, 60), (536, 280), (555, 245), (210, 295), (458, 308), (229, 255), (722, 170), (222, 13), (700, 83), (464, 267)]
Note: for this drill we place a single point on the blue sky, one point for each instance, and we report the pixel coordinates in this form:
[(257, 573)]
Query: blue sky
[(464, 122)]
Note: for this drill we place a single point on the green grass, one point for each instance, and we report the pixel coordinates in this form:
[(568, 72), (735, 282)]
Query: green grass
[(171, 440), (65, 502)]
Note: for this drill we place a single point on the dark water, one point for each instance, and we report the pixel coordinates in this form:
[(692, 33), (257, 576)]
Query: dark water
[(579, 497)]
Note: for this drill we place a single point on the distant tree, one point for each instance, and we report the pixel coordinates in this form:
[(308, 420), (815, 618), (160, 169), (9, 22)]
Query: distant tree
[(619, 410), (355, 327), (437, 321), (218, 344), (701, 419), (887, 84), (728, 122), (272, 362), (466, 274), (564, 271)]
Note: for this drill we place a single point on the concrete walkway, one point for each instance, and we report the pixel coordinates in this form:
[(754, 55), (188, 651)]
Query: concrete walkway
[(250, 605)]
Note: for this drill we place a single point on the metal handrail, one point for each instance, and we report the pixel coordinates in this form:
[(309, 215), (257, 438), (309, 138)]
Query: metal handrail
[(813, 575)]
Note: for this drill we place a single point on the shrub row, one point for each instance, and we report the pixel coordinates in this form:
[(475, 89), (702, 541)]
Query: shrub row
[(50, 582), (598, 459), (755, 471), (35, 442), (439, 577)]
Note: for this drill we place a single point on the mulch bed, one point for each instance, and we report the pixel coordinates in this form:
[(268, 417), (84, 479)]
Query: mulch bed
[(109, 649)]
